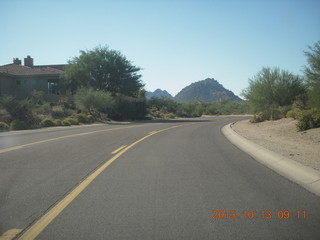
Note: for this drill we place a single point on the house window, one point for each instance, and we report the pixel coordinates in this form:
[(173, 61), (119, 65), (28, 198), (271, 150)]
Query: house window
[(25, 82), (53, 87), (18, 82), (33, 81)]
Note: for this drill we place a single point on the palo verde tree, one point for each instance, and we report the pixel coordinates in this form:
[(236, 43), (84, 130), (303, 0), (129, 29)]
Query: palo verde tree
[(271, 89), (312, 72), (103, 69)]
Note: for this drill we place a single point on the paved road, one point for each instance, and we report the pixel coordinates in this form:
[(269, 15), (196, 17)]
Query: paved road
[(166, 184)]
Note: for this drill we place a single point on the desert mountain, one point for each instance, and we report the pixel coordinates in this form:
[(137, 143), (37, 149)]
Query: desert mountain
[(158, 94), (207, 90)]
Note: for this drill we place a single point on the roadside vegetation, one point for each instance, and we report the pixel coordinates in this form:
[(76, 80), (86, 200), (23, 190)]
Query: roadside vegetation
[(106, 86), (273, 93), (90, 106), (165, 108)]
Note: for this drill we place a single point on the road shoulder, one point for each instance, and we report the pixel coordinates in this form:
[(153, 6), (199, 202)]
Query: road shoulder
[(305, 176)]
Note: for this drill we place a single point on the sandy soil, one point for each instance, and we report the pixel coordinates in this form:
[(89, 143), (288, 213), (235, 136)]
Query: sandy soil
[(282, 137)]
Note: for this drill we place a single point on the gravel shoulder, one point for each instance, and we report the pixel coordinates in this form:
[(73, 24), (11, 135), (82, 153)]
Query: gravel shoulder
[(282, 137)]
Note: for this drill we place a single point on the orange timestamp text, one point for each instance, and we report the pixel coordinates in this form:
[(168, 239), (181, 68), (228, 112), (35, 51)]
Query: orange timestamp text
[(265, 214)]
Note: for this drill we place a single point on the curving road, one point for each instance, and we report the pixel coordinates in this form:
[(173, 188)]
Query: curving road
[(147, 180)]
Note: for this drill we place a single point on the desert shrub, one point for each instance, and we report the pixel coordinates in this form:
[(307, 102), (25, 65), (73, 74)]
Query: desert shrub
[(90, 100), (154, 113), (127, 108), (37, 97), (57, 122), (169, 116), (44, 108), (308, 119), (293, 113), (19, 125), (21, 110), (82, 118), (68, 112), (165, 103), (211, 110), (282, 111), (47, 123), (4, 127), (5, 116), (300, 101), (90, 118), (65, 102), (260, 117), (65, 123), (189, 109), (57, 112), (72, 120)]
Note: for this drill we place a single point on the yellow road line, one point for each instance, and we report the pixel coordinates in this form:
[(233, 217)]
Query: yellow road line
[(120, 148), (63, 137), (10, 234), (11, 149), (153, 132), (47, 218)]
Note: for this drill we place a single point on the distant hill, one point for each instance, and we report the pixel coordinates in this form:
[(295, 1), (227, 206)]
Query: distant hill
[(208, 90), (158, 94)]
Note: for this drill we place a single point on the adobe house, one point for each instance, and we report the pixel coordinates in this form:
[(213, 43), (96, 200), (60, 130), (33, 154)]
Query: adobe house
[(20, 80)]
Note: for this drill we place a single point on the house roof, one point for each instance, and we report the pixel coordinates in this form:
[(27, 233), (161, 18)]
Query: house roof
[(20, 70)]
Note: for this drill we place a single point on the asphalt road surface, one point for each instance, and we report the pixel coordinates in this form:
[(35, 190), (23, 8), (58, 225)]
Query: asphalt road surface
[(147, 180)]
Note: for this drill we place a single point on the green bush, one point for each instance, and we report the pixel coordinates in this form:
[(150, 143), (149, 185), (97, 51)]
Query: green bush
[(189, 109), (21, 110), (19, 125), (44, 108), (169, 116), (308, 119), (37, 97), (259, 117), (82, 118), (47, 123), (90, 100), (65, 123), (57, 122), (4, 127), (127, 108), (293, 113), (282, 111), (72, 120), (57, 112), (90, 118), (5, 116)]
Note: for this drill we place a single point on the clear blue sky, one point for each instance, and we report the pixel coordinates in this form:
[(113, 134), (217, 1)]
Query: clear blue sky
[(176, 42)]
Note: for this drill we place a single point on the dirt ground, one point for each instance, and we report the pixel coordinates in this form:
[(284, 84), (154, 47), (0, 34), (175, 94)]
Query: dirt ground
[(282, 137)]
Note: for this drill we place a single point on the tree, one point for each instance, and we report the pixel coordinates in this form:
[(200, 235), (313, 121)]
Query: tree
[(312, 72), (103, 69), (271, 89)]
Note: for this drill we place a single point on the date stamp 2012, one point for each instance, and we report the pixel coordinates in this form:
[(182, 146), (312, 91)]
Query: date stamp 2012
[(264, 214)]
